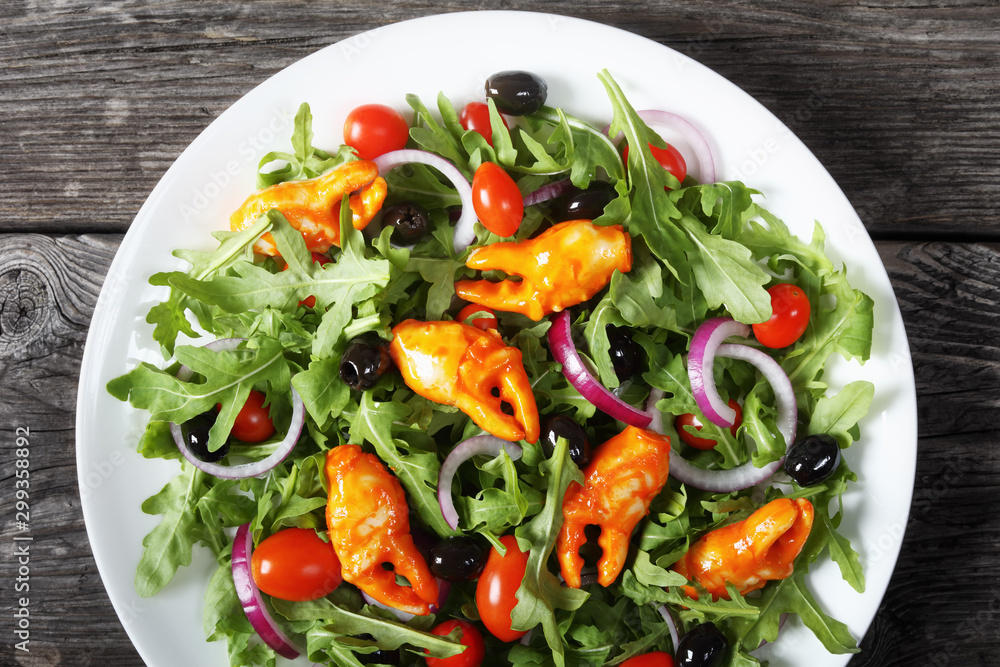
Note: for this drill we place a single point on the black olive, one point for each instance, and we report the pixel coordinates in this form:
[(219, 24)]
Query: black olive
[(561, 426), (812, 459), (409, 222), (380, 657), (583, 204), (626, 354), (364, 362), (457, 559), (196, 436), (517, 93), (703, 646)]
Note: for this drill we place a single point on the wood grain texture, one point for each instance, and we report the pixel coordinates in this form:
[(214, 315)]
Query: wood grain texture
[(898, 98)]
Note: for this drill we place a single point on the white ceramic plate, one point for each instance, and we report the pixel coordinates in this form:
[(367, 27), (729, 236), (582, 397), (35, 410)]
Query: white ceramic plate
[(216, 172)]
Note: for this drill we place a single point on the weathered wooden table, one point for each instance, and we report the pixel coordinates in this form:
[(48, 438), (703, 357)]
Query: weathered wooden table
[(899, 99)]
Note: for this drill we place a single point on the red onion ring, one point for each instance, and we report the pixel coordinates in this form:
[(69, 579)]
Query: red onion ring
[(561, 343), (254, 468), (465, 227), (250, 597), (675, 635), (699, 144), (701, 359), (746, 475), (547, 192), (480, 444)]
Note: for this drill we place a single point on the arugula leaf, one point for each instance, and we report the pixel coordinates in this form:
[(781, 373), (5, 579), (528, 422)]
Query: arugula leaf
[(541, 592), (839, 415), (168, 546), (415, 468)]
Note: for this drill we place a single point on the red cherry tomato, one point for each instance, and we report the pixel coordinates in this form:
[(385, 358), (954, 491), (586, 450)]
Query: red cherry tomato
[(704, 443), (471, 637), (295, 564), (476, 116), (654, 659), (498, 203), (789, 317), (669, 158), (253, 423), (318, 258), (375, 129), (497, 588), (484, 323)]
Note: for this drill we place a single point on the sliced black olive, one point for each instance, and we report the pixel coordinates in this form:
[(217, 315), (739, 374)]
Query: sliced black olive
[(813, 459), (196, 434), (583, 204), (409, 223), (364, 362), (626, 354), (561, 426), (517, 93), (703, 646), (456, 559)]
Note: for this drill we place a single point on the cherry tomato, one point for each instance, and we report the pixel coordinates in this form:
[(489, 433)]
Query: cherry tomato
[(253, 423), (375, 129), (497, 588), (295, 564), (669, 158), (483, 323), (471, 637), (476, 116), (654, 659), (498, 203), (789, 317), (318, 258), (705, 443)]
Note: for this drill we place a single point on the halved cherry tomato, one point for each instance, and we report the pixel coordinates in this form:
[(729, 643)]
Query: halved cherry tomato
[(498, 203), (296, 564), (653, 659), (471, 637), (253, 423), (375, 129), (669, 158), (483, 323), (705, 443), (790, 311), (476, 116), (496, 590), (318, 258)]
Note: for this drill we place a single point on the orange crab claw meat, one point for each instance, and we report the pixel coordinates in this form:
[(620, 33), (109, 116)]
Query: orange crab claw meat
[(626, 473), (458, 364), (749, 553), (313, 206), (369, 526), (561, 267)]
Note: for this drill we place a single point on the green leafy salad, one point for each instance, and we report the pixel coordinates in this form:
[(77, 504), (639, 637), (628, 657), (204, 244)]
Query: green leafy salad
[(699, 251)]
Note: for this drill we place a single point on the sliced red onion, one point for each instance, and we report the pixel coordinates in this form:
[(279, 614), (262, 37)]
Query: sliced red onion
[(746, 475), (692, 135), (701, 360), (253, 468), (465, 232), (480, 444), (675, 635), (561, 343), (547, 192), (699, 144), (250, 598)]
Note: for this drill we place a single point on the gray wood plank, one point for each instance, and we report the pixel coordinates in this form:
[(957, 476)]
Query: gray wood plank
[(897, 99)]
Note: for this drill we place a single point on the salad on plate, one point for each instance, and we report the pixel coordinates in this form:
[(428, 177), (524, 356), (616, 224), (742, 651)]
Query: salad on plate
[(497, 386)]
